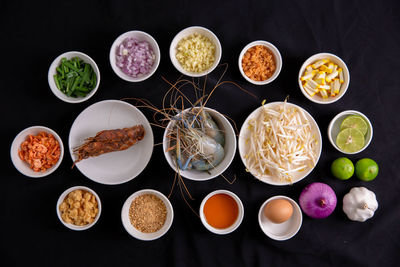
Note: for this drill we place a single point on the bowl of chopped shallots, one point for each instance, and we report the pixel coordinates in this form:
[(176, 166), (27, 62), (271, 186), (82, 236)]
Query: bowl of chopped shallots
[(37, 151), (260, 62), (135, 56), (324, 78)]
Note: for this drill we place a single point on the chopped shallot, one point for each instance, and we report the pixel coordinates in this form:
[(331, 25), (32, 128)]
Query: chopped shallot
[(135, 58)]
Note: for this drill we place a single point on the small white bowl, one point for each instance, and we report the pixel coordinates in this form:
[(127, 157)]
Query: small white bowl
[(346, 76), (189, 31), (277, 56), (281, 231), (136, 233), (229, 147), (334, 129), (141, 36), (244, 147), (231, 228), (52, 72), (64, 195), (22, 166)]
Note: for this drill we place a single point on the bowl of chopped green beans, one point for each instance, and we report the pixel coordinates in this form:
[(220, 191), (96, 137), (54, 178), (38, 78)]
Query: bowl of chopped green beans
[(74, 77)]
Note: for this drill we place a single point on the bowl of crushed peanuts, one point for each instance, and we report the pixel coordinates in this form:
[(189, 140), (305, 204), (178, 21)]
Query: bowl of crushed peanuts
[(147, 214), (260, 62), (37, 151), (195, 51), (79, 208)]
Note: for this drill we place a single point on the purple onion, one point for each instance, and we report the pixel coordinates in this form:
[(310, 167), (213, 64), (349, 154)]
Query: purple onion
[(318, 200), (135, 58)]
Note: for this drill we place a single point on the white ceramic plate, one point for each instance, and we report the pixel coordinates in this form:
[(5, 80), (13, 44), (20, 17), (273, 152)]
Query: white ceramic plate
[(243, 148), (136, 233), (115, 167)]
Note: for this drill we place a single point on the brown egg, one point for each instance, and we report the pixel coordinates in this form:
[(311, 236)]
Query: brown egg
[(278, 210)]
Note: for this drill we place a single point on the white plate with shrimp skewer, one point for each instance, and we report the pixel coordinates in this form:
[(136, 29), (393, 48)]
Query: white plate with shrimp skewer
[(280, 143), (119, 166)]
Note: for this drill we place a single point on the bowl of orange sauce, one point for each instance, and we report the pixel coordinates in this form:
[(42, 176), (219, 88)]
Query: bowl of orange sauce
[(221, 212)]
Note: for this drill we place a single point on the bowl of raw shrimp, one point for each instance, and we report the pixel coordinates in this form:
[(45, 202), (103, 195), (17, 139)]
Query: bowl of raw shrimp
[(199, 143)]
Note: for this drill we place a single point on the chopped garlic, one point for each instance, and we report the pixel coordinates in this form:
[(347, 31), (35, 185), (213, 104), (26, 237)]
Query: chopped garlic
[(195, 53)]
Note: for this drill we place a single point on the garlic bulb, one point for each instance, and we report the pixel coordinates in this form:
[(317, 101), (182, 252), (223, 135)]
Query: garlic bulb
[(359, 204)]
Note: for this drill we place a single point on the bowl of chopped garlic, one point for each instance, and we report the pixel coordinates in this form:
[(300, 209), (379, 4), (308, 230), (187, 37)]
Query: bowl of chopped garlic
[(280, 143), (324, 78), (260, 62), (195, 51), (78, 208)]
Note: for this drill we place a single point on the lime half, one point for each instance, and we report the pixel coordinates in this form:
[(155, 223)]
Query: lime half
[(355, 122), (350, 140)]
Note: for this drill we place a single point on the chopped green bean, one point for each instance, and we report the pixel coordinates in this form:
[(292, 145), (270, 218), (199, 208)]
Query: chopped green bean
[(74, 77)]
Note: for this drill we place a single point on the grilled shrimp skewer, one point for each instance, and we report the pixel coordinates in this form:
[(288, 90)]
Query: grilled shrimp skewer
[(109, 141)]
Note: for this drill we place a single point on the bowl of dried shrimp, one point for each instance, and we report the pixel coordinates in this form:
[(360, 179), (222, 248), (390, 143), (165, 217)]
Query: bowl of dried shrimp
[(280, 143), (37, 151), (199, 144)]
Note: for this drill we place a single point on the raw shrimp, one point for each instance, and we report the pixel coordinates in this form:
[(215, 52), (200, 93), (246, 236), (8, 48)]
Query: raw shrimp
[(197, 142)]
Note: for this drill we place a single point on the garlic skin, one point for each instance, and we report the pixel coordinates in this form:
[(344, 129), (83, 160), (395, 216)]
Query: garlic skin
[(360, 204)]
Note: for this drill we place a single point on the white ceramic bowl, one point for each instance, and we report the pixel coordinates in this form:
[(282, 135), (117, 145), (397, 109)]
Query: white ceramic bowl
[(141, 36), (281, 231), (235, 225), (64, 195), (230, 150), (334, 129), (136, 233), (245, 132), (189, 31), (277, 56), (52, 72), (346, 76), (22, 166)]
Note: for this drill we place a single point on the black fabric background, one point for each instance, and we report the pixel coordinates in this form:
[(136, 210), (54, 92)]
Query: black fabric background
[(365, 34)]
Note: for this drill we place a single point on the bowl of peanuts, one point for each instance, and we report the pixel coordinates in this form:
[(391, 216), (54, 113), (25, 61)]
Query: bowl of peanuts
[(37, 151), (260, 62), (78, 208)]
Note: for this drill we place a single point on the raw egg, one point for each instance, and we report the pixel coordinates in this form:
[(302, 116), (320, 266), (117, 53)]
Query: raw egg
[(278, 210)]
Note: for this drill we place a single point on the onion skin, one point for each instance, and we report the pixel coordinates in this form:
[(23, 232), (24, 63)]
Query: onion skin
[(318, 200)]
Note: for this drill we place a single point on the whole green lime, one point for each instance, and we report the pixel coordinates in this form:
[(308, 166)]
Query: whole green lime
[(366, 169), (342, 168)]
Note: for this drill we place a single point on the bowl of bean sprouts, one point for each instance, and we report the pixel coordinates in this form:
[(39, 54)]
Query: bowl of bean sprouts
[(280, 143)]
